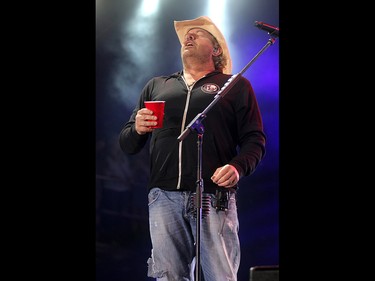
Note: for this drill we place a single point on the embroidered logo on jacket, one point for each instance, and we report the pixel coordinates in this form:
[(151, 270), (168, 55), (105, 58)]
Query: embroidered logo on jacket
[(210, 88)]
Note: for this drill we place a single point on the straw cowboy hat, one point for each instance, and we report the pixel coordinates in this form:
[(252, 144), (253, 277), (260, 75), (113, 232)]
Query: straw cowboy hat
[(204, 22)]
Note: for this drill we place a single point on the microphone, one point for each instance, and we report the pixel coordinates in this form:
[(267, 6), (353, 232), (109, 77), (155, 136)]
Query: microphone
[(272, 30)]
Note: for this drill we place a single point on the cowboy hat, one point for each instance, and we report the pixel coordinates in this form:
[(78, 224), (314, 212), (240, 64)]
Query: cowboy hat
[(204, 22)]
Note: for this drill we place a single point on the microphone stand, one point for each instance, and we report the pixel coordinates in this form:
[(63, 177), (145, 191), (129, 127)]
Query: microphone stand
[(196, 125)]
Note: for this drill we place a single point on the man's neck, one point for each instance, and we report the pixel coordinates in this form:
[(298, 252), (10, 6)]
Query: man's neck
[(193, 74)]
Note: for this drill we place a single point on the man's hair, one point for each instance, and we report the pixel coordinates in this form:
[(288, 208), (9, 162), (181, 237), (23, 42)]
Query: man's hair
[(220, 61)]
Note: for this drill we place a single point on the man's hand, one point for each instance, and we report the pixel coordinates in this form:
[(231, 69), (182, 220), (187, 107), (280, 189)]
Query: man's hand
[(226, 176), (143, 120)]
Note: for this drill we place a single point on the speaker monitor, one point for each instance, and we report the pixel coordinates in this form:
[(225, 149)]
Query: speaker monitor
[(264, 273)]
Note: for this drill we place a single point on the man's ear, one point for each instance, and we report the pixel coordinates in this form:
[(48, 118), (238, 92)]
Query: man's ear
[(216, 51)]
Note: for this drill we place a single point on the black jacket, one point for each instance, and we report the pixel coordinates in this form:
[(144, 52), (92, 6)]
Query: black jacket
[(232, 131)]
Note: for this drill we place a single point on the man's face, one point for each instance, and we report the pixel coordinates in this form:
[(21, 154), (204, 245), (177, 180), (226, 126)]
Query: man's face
[(198, 43)]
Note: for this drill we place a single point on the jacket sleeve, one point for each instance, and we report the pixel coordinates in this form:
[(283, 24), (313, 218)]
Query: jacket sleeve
[(130, 141), (252, 138)]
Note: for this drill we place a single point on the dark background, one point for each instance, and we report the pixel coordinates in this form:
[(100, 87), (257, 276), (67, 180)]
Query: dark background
[(132, 46)]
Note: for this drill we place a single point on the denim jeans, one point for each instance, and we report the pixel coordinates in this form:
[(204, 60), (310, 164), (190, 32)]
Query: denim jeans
[(173, 225)]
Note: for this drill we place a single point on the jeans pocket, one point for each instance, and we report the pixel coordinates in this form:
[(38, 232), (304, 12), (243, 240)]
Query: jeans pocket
[(153, 195)]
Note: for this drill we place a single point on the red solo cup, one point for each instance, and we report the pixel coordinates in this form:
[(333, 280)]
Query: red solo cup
[(158, 108)]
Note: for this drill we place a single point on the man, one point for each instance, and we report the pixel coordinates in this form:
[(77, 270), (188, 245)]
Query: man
[(232, 147)]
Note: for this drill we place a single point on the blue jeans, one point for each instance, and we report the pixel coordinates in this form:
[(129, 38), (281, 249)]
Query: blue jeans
[(173, 227)]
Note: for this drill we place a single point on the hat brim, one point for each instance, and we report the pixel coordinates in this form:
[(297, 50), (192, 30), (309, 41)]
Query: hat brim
[(204, 22)]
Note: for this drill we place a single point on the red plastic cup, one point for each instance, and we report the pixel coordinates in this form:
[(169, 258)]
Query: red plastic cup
[(158, 108)]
